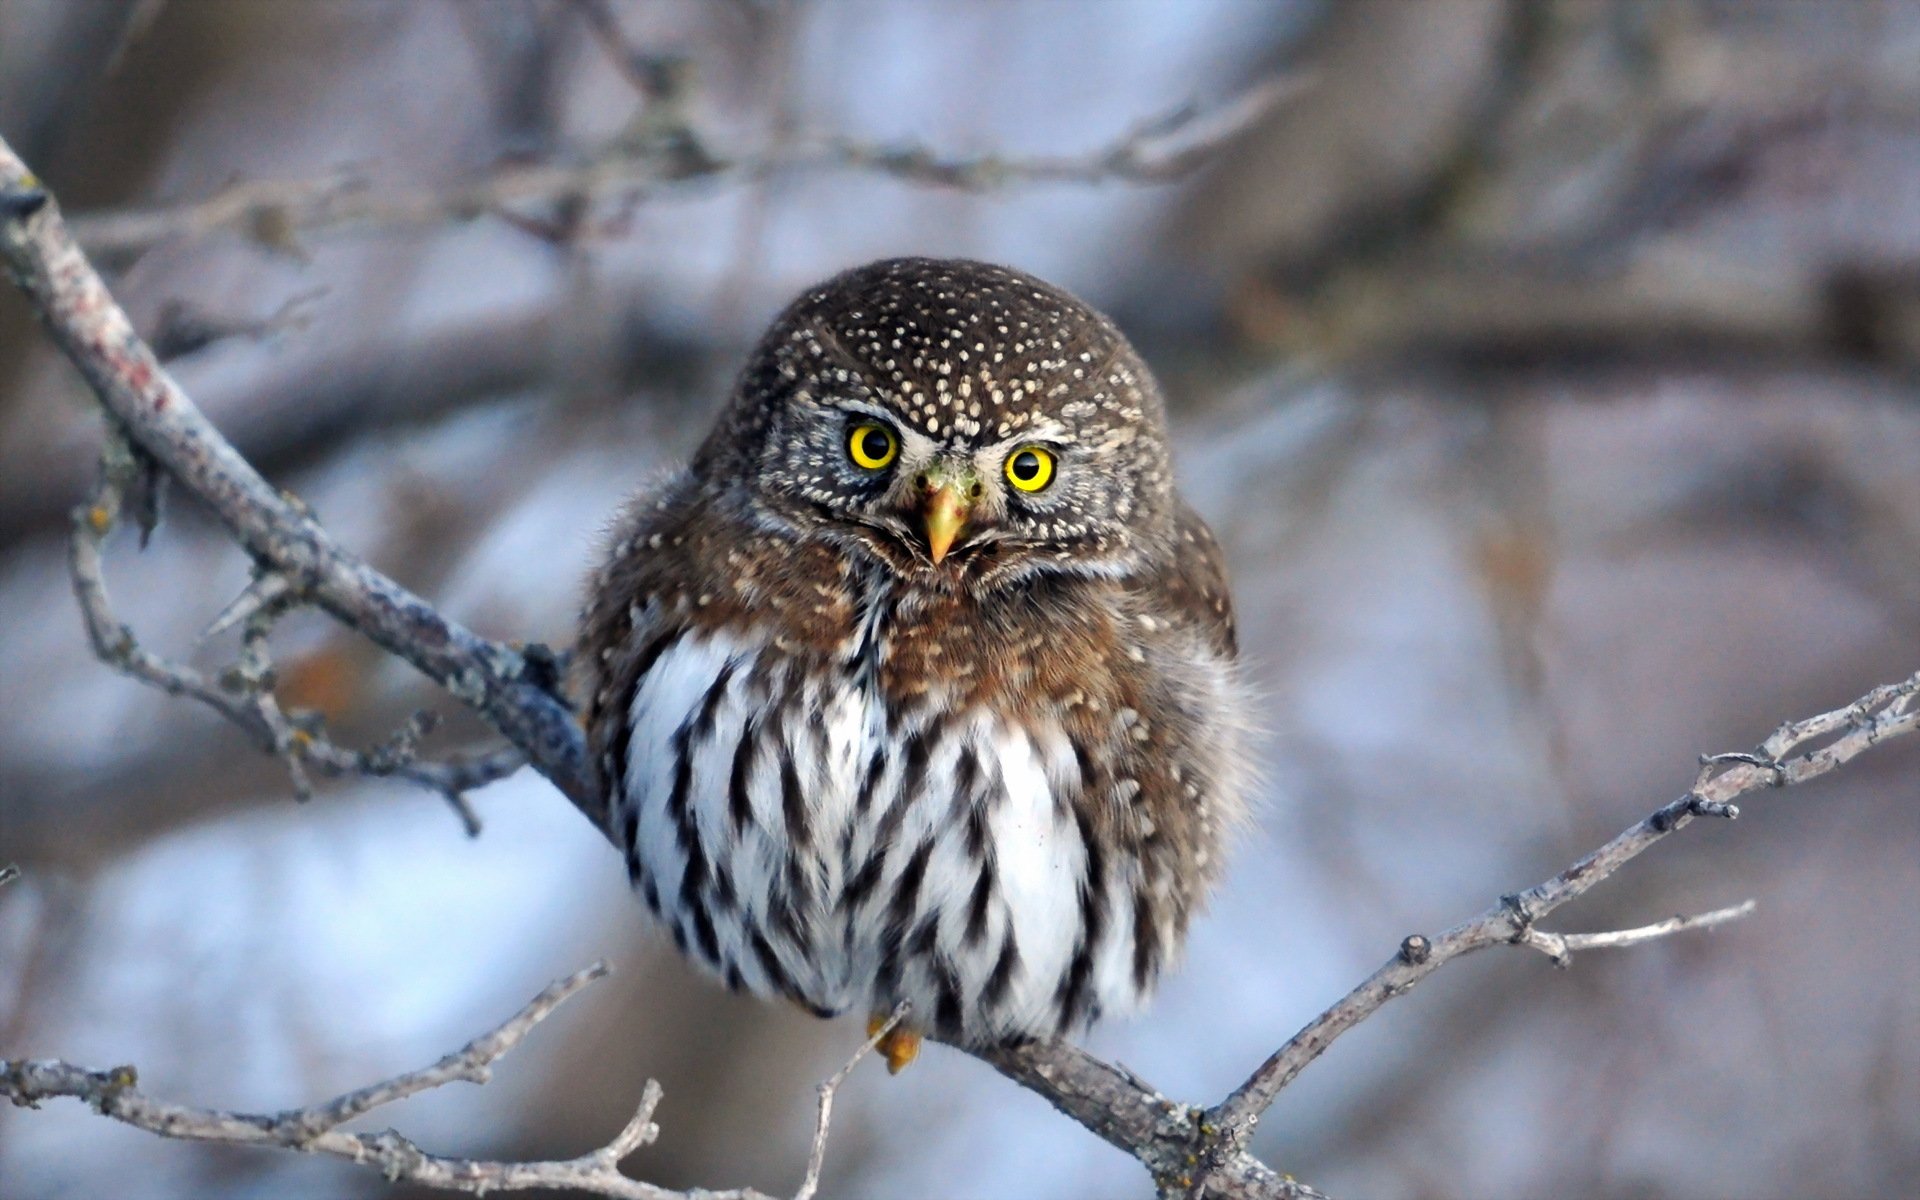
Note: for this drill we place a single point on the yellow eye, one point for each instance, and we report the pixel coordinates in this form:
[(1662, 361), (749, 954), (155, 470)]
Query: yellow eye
[(872, 446), (1030, 468)]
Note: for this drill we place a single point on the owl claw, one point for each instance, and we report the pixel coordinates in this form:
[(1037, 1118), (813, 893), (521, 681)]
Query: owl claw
[(899, 1047)]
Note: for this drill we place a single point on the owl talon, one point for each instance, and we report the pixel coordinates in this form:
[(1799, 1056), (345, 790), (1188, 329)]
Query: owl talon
[(899, 1047)]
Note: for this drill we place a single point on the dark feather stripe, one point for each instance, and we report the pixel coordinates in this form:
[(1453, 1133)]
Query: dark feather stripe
[(987, 788), (630, 840), (913, 776), (679, 806), (770, 962), (1072, 997), (694, 883), (793, 801), (979, 904), (875, 606), (897, 934), (869, 780), (919, 754), (862, 884), (621, 742), (925, 942), (739, 798), (946, 1011), (966, 775), (1093, 884), (679, 793), (1146, 942), (886, 980), (1001, 979), (906, 894), (700, 727), (704, 934), (1083, 763), (725, 899)]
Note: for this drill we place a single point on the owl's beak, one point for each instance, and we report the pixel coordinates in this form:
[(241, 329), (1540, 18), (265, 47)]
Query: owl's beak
[(946, 515)]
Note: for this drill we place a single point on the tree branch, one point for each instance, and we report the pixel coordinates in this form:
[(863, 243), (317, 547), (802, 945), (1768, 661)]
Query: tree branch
[(115, 1093), (158, 418), (661, 151), (244, 693), (816, 1157), (1886, 711)]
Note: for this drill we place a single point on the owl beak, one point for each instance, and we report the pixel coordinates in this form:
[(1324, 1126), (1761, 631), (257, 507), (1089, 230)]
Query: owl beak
[(946, 516)]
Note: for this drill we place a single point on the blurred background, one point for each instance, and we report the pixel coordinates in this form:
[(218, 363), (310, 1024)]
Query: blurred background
[(1548, 369)]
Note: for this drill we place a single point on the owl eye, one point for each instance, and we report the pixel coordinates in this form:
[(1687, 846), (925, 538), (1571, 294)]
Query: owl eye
[(1030, 468), (872, 446)]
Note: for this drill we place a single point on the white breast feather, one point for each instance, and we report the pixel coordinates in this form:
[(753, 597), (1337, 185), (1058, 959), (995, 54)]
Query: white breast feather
[(1040, 863), (1038, 855)]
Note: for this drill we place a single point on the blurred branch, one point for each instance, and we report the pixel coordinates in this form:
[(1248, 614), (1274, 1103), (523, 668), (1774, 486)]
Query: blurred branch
[(653, 77), (244, 694), (1159, 150), (303, 404), (661, 149), (1189, 1151), (184, 328), (115, 1094)]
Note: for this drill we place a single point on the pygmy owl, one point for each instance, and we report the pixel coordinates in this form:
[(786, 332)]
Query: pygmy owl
[(918, 683)]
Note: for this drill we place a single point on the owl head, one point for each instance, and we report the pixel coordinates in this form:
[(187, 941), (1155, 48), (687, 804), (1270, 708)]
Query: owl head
[(967, 424)]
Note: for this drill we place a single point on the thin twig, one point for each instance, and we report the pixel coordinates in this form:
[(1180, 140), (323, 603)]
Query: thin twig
[(115, 1093), (817, 1156), (1560, 947), (277, 213), (244, 694)]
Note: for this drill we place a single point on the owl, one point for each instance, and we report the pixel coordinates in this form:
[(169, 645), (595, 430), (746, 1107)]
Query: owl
[(919, 683)]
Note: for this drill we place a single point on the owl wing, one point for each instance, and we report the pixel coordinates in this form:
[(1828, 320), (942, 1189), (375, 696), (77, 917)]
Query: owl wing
[(1194, 586)]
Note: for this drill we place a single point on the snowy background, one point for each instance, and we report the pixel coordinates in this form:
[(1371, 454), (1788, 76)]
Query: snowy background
[(1548, 369)]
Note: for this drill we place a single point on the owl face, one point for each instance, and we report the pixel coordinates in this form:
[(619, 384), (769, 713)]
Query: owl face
[(963, 422)]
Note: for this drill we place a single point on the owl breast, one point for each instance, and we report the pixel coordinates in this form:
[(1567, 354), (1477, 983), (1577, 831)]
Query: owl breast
[(804, 836)]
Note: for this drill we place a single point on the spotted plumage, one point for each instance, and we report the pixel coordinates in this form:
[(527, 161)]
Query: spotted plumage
[(918, 684)]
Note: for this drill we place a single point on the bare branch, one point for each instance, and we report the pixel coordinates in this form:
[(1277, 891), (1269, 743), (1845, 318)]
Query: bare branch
[(183, 328), (662, 151), (817, 1156), (1159, 150), (1560, 946), (653, 77), (1886, 711), (317, 1129), (162, 422), (245, 693)]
